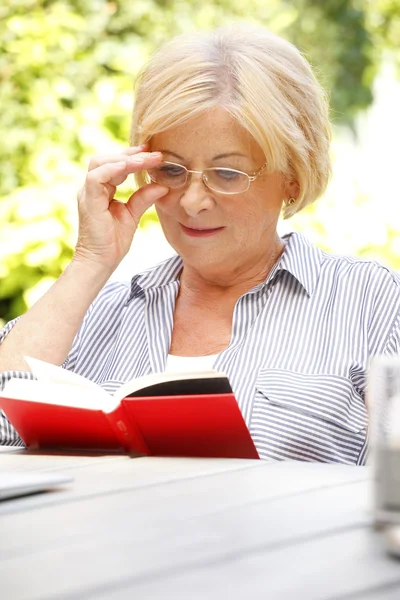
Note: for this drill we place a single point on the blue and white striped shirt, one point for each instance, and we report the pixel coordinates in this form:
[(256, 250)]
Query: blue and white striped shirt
[(298, 356)]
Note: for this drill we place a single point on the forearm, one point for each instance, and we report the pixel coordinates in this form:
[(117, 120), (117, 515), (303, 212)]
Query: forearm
[(106, 229), (48, 329)]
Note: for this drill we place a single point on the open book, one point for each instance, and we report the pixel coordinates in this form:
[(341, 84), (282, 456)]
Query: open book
[(164, 414)]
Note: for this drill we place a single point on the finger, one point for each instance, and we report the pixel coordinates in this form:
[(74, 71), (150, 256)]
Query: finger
[(136, 162), (101, 159), (140, 162), (143, 198), (136, 149), (101, 182), (147, 160), (116, 173)]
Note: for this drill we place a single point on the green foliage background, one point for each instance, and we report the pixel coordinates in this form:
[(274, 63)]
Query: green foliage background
[(66, 72)]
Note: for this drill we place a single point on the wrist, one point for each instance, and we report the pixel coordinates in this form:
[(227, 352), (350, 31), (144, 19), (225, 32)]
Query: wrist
[(91, 266), (93, 261)]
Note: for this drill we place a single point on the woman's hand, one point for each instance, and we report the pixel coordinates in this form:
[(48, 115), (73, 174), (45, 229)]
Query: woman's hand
[(107, 226)]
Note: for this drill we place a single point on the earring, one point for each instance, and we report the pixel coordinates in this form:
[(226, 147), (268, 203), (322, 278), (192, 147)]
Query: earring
[(290, 201)]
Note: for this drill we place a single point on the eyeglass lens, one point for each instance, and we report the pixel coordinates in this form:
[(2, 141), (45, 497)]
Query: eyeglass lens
[(219, 179)]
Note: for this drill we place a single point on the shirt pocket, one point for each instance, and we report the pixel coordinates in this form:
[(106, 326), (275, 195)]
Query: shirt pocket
[(315, 417)]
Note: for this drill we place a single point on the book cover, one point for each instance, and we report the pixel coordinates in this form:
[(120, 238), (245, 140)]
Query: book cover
[(165, 414)]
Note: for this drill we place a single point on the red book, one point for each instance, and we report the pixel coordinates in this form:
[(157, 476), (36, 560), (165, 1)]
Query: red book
[(165, 414)]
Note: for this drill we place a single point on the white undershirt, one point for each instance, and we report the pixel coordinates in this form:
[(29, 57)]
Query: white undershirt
[(179, 364)]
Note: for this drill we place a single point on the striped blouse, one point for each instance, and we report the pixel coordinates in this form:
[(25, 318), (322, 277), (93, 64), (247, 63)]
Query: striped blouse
[(298, 356)]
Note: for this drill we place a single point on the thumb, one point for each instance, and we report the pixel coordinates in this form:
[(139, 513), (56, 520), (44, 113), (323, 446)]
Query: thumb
[(143, 198)]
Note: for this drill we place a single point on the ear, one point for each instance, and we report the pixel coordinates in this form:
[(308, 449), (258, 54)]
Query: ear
[(291, 189)]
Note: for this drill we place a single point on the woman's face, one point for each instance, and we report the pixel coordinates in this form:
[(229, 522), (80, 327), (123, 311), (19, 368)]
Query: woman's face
[(209, 230)]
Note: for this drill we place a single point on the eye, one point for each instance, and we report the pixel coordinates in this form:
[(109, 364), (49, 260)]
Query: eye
[(172, 170), (228, 174)]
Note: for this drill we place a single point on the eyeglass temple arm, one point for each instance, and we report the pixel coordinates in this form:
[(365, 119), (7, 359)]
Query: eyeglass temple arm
[(257, 173)]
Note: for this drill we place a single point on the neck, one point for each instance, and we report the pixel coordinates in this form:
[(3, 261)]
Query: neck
[(211, 282)]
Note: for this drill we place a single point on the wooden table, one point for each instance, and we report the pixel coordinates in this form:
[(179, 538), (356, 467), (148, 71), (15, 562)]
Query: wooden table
[(153, 528)]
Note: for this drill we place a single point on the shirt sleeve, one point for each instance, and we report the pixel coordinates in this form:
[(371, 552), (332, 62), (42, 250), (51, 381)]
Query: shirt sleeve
[(8, 435), (7, 375)]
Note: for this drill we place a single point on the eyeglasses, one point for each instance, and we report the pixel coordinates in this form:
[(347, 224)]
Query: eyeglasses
[(218, 179)]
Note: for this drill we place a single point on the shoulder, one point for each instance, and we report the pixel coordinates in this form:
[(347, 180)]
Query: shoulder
[(363, 292), (321, 272), (361, 271), (343, 267)]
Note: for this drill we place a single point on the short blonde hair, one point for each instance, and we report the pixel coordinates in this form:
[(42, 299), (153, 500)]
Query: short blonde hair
[(262, 80)]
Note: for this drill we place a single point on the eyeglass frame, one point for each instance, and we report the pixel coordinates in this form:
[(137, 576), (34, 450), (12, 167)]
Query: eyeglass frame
[(250, 178)]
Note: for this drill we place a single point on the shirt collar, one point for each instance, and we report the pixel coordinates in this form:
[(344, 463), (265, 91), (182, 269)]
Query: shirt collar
[(300, 258), (160, 275)]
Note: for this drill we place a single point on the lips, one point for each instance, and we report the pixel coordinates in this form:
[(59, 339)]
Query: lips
[(201, 231)]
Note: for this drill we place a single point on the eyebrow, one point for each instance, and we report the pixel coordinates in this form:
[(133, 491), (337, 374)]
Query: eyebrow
[(225, 155), (165, 151)]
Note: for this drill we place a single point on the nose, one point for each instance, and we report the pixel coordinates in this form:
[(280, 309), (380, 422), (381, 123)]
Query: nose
[(196, 196)]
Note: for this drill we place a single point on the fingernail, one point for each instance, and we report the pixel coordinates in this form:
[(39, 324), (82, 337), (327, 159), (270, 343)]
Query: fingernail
[(155, 154)]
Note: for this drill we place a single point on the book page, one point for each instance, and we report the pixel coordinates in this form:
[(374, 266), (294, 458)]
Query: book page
[(148, 380), (55, 385), (58, 394), (49, 373), (70, 384)]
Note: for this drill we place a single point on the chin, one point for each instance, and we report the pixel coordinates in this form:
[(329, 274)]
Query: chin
[(212, 262)]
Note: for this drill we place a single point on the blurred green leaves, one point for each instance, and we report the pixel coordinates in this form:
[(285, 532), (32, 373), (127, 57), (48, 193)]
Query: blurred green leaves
[(66, 74)]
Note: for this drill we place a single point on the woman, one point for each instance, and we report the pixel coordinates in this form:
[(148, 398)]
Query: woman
[(229, 129)]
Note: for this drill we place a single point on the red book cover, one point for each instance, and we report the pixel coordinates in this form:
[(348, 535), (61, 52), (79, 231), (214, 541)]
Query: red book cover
[(196, 425), (171, 423), (42, 425)]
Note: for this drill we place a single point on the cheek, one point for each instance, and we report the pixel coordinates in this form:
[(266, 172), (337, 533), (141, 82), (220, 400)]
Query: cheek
[(264, 204), (251, 219), (247, 211)]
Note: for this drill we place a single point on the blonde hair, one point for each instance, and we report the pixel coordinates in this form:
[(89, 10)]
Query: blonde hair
[(262, 80)]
